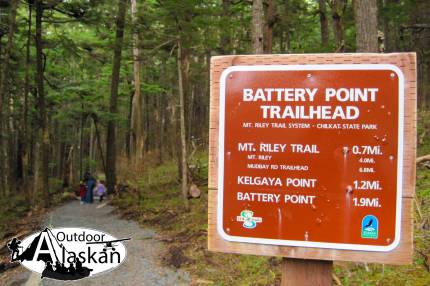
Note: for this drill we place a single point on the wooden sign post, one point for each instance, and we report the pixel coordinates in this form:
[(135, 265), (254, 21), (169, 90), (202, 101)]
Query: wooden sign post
[(313, 157)]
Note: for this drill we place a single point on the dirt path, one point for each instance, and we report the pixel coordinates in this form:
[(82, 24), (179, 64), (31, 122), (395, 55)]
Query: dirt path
[(142, 266)]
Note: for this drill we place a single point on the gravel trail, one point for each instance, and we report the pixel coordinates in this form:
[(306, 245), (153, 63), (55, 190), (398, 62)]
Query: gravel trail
[(142, 265)]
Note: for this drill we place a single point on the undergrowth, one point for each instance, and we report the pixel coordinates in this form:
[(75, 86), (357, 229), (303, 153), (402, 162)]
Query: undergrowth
[(16, 207)]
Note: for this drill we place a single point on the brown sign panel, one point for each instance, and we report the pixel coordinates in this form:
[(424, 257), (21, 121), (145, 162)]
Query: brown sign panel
[(310, 157)]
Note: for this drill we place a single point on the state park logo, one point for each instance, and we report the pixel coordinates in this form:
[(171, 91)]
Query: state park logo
[(69, 253), (248, 219), (369, 227)]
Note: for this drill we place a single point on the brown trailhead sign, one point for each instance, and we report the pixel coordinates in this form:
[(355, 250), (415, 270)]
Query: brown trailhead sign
[(311, 155)]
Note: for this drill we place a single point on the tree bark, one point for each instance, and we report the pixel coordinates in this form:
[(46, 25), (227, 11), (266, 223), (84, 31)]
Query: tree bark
[(137, 117), (366, 23), (113, 108), (81, 141), (11, 153), (391, 29), (225, 41), (92, 152), (285, 37), (338, 8), (257, 26), (43, 117), (161, 106), (25, 136), (4, 87), (420, 41), (323, 22), (184, 165), (270, 23), (129, 134)]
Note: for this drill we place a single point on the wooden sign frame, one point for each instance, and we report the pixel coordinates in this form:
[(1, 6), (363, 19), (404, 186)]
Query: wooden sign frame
[(402, 254)]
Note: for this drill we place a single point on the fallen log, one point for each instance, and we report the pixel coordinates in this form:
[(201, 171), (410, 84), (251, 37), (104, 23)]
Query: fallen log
[(423, 159)]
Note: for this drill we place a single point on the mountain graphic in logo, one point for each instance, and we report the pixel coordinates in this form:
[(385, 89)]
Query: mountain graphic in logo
[(68, 253)]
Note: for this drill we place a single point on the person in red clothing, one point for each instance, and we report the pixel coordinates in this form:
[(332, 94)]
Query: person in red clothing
[(82, 192)]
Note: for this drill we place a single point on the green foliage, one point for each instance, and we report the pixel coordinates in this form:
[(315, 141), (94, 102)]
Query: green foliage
[(11, 209)]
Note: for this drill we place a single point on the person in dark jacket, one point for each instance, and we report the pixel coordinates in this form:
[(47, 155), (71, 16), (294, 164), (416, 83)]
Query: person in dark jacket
[(90, 182)]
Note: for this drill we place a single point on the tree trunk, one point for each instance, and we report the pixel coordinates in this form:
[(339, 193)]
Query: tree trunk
[(323, 22), (113, 108), (285, 39), (257, 26), (36, 167), (366, 23), (92, 147), (99, 143), (25, 136), (419, 28), (162, 112), (391, 28), (4, 88), (225, 41), (11, 153), (270, 22), (129, 134), (337, 11), (137, 117), (184, 166), (67, 167), (81, 142), (43, 117)]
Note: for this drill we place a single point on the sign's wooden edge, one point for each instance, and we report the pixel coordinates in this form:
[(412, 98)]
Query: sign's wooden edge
[(400, 255)]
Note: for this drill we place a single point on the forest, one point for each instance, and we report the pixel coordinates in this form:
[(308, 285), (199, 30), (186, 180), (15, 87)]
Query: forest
[(121, 89)]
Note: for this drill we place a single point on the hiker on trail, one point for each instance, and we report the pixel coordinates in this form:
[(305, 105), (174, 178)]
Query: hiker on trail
[(82, 191), (90, 183), (101, 190)]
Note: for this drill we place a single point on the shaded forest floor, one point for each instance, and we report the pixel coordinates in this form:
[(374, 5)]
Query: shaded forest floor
[(154, 199)]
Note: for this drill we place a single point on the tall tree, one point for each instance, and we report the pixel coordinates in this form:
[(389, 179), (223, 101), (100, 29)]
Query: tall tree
[(184, 165), (419, 28), (113, 103), (225, 38), (366, 23), (136, 113), (43, 116), (4, 86), (268, 28), (24, 155), (390, 25), (285, 39), (322, 10), (338, 8), (257, 26)]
